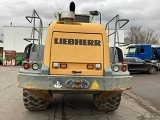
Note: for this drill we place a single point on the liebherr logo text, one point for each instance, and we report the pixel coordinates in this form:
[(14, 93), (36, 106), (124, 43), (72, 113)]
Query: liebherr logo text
[(86, 42)]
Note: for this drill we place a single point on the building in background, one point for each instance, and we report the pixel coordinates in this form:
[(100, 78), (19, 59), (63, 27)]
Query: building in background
[(14, 40), (14, 37)]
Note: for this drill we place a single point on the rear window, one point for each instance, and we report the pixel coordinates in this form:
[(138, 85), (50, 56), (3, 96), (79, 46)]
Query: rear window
[(132, 50)]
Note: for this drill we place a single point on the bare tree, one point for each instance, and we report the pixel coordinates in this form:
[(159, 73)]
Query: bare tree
[(137, 35)]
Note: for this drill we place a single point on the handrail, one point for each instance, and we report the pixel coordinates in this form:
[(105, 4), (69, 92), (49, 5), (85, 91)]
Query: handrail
[(32, 19), (126, 21), (115, 33)]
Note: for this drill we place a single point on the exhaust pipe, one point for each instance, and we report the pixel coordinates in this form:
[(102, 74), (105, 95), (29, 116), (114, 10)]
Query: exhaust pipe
[(69, 16)]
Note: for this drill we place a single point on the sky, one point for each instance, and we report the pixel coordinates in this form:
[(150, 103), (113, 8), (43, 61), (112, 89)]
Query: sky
[(145, 13)]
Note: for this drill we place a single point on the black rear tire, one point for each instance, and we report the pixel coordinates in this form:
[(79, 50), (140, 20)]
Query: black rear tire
[(107, 105), (152, 70), (31, 102)]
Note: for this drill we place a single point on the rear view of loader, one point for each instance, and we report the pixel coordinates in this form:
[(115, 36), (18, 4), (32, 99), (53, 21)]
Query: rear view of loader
[(76, 58)]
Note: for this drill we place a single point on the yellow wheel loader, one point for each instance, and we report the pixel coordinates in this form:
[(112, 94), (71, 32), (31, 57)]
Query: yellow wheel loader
[(76, 58)]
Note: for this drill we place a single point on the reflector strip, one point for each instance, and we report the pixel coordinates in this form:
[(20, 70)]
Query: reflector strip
[(123, 68), (26, 66), (63, 65), (90, 66)]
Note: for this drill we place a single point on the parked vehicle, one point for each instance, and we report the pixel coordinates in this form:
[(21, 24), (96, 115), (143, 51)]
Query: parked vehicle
[(138, 65), (145, 52)]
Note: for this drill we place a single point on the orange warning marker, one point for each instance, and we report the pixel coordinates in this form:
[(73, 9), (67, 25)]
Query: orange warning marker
[(94, 85)]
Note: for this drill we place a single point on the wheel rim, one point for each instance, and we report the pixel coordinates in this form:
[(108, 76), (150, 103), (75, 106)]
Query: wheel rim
[(152, 70)]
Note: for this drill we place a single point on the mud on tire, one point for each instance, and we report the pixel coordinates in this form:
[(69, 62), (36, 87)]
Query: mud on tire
[(31, 102), (107, 105)]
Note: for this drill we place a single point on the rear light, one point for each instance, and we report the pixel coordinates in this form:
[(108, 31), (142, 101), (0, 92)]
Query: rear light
[(97, 66), (56, 65), (123, 62), (63, 65), (123, 68), (35, 66), (26, 66), (90, 66), (116, 68)]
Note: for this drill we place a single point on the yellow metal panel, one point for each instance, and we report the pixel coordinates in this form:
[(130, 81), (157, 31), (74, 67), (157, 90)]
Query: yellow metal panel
[(76, 54), (62, 51)]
